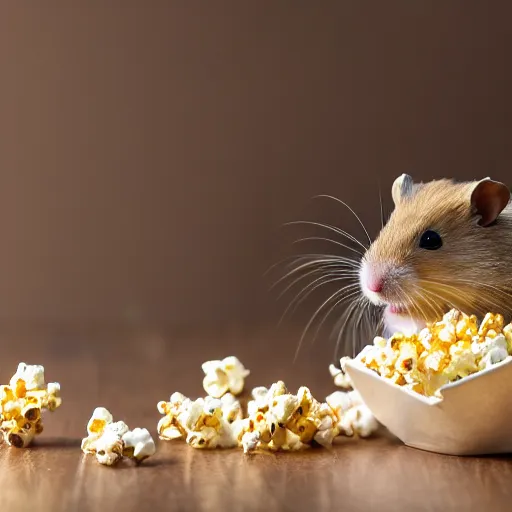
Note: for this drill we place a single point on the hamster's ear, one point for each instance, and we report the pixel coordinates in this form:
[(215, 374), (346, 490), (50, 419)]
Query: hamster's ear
[(402, 188), (488, 199)]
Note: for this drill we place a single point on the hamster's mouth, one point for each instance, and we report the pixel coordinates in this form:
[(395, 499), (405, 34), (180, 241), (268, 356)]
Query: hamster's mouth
[(397, 309)]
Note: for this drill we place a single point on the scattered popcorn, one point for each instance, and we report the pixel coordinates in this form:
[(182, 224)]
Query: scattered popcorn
[(353, 415), (341, 378), (138, 444), (250, 441), (224, 376), (206, 427), (22, 403), (229, 405), (442, 352), (108, 448), (31, 375), (276, 420), (170, 427), (100, 418), (204, 423), (110, 441)]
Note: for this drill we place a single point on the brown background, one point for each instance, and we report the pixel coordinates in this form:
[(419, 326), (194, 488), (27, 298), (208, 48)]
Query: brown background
[(150, 151)]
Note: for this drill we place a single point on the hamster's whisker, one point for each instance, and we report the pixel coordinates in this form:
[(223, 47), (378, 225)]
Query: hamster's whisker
[(305, 291), (334, 271), (330, 310), (331, 258), (321, 265), (309, 289), (432, 306), (378, 320), (461, 298), (499, 291), (424, 301), (317, 312), (436, 310), (348, 317), (444, 297), (352, 295), (315, 256), (474, 306), (413, 303), (353, 212), (319, 238), (355, 331), (370, 323), (331, 228)]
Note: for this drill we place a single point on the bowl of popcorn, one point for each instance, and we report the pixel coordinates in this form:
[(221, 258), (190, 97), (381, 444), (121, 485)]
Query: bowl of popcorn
[(446, 389)]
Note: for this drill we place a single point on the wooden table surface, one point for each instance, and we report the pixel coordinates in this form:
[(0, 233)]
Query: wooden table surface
[(130, 372)]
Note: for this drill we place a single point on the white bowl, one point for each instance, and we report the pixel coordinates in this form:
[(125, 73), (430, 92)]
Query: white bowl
[(473, 417)]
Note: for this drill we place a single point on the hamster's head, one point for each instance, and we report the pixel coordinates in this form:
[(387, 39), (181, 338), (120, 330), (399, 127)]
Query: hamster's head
[(442, 247)]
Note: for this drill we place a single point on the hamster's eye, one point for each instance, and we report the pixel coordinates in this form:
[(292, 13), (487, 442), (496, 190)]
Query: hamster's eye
[(430, 240)]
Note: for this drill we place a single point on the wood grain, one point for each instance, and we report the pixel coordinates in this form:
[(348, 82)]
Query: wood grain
[(130, 372)]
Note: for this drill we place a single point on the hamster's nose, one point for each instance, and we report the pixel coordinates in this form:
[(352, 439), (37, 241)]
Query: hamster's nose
[(372, 278), (375, 285)]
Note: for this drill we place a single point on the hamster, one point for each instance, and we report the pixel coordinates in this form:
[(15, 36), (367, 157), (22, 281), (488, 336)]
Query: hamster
[(446, 245)]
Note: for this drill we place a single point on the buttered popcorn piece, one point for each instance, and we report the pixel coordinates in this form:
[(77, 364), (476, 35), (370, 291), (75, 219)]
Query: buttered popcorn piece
[(444, 351), (100, 418), (223, 376), (354, 417), (341, 378), (138, 444), (206, 427), (250, 441), (203, 423), (31, 375), (170, 426), (262, 397), (108, 448), (490, 351), (22, 403), (110, 441)]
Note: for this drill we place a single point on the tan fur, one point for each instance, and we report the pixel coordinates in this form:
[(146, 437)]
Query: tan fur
[(472, 271)]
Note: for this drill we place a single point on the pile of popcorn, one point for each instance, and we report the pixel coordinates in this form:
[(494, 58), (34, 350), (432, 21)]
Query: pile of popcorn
[(22, 403), (276, 420), (442, 352), (110, 441)]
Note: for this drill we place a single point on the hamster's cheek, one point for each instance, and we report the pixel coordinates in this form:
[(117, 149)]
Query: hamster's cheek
[(401, 323)]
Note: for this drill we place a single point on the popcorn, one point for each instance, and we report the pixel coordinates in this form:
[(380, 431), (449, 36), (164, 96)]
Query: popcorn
[(204, 423), (108, 448), (138, 444), (341, 378), (224, 376), (279, 420), (276, 419), (22, 403), (354, 417), (262, 397), (442, 352), (110, 441), (32, 377), (250, 441), (170, 427), (206, 427), (491, 351), (229, 405)]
